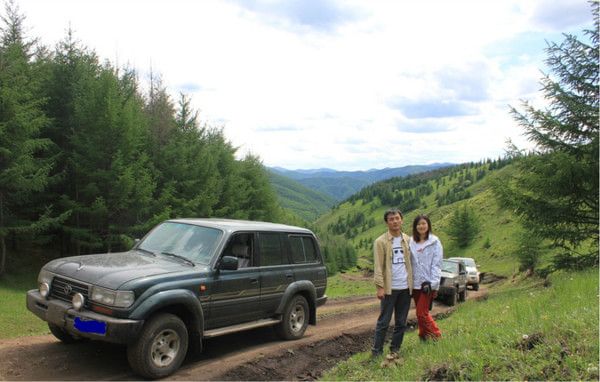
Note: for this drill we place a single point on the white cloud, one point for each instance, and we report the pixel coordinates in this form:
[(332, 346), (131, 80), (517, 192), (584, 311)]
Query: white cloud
[(345, 85)]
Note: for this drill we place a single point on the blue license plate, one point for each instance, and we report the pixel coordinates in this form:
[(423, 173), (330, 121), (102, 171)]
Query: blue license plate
[(90, 326)]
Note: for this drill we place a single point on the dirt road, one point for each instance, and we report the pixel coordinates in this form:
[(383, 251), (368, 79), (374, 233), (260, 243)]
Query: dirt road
[(344, 327)]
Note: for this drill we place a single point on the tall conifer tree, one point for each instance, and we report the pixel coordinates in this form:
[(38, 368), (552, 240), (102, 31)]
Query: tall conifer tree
[(556, 189), (23, 169)]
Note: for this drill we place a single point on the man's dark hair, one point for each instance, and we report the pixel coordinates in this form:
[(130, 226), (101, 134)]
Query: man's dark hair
[(392, 211), (416, 222)]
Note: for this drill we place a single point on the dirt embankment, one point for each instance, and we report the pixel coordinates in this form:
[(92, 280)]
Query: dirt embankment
[(345, 327)]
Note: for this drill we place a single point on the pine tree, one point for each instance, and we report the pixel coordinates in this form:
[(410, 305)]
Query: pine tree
[(70, 66), (555, 190), (463, 226), (24, 168), (112, 174)]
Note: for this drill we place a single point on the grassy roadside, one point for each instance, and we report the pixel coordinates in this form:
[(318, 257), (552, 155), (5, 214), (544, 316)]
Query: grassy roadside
[(15, 319), (349, 285), (524, 331)]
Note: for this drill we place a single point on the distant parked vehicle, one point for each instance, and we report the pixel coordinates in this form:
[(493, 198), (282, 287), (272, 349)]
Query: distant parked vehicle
[(473, 274), (453, 285)]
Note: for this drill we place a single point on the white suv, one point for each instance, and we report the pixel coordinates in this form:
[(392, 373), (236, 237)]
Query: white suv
[(472, 271)]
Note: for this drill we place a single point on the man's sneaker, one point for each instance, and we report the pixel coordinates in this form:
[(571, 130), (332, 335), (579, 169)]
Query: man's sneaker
[(392, 356), (391, 359)]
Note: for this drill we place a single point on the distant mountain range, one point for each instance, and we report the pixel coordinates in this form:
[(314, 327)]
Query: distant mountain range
[(339, 185)]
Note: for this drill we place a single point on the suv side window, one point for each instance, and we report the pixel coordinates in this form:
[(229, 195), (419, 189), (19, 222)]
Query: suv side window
[(297, 249), (309, 249), (242, 246), (303, 249), (270, 247)]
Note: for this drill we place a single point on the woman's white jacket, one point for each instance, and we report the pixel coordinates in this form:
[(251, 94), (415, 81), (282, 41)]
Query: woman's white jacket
[(427, 263)]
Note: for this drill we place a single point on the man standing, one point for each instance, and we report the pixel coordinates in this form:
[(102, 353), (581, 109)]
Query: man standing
[(394, 281)]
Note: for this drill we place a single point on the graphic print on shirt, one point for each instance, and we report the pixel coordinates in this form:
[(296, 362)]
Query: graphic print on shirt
[(397, 255), (399, 271)]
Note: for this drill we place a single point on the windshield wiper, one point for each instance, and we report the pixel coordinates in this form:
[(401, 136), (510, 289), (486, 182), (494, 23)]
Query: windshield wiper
[(190, 262), (146, 251)]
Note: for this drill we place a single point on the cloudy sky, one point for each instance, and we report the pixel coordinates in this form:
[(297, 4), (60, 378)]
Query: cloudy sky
[(348, 85)]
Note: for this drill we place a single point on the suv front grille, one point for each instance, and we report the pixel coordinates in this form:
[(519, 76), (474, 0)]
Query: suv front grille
[(64, 289)]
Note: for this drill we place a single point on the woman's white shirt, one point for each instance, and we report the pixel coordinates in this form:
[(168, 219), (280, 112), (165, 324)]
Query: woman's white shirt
[(427, 261)]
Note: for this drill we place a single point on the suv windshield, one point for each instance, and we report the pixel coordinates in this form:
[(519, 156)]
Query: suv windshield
[(450, 266), (190, 241)]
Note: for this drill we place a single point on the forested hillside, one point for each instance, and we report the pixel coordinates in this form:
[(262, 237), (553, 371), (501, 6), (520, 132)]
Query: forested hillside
[(89, 161), (440, 194), (304, 202)]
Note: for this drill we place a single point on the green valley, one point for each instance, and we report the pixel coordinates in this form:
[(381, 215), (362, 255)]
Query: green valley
[(306, 203)]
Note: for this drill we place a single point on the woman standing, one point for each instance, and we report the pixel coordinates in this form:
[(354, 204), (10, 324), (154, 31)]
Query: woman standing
[(427, 253)]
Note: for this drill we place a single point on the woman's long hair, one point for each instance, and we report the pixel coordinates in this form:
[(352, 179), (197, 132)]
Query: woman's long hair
[(416, 235)]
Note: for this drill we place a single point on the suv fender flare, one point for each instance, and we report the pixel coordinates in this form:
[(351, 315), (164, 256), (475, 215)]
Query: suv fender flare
[(171, 298), (305, 288)]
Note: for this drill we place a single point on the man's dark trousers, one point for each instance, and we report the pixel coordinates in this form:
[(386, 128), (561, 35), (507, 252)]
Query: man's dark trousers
[(399, 304)]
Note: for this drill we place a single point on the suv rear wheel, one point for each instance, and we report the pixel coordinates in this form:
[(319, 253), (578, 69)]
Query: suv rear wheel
[(295, 319), (161, 347)]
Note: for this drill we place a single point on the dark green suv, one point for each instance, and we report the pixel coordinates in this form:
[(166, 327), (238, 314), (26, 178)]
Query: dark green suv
[(186, 280)]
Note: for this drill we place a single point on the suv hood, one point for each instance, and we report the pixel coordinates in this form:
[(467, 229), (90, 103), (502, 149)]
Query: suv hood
[(448, 274), (111, 270)]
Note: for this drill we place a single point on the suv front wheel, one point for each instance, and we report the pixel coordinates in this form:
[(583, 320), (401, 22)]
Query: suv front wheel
[(161, 347), (295, 319), (452, 297)]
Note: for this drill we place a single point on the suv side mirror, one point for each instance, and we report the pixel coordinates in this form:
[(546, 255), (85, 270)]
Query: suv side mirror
[(228, 263)]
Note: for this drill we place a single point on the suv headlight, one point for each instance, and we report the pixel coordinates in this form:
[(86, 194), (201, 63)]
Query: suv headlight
[(449, 281), (116, 298), (44, 282)]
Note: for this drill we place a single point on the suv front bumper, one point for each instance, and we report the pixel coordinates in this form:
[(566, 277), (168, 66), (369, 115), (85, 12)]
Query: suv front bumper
[(62, 314), (472, 279)]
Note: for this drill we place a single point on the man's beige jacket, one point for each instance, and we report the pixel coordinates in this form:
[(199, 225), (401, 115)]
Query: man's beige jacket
[(382, 252)]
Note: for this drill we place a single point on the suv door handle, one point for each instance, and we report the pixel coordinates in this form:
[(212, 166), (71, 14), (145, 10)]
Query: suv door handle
[(289, 275), (253, 281)]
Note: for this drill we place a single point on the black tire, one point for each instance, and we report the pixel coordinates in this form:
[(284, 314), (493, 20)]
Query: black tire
[(452, 297), (476, 287), (295, 319), (161, 347), (462, 296), (63, 335)]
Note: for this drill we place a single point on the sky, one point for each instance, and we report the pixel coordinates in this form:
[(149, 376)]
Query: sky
[(346, 85)]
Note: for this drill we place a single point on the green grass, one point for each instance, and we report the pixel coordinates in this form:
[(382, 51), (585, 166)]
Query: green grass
[(486, 340), (349, 284), (15, 319)]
